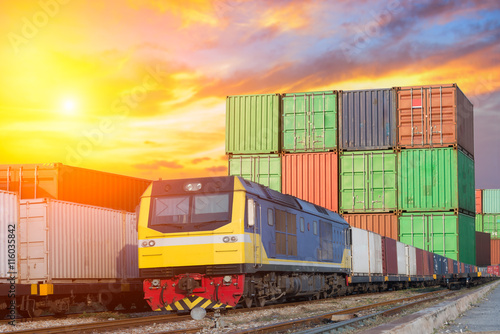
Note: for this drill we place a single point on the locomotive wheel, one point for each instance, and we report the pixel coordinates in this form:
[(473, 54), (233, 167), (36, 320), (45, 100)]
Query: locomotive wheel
[(247, 302)]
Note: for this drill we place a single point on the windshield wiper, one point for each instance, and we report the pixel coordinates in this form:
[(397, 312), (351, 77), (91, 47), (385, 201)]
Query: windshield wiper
[(209, 222)]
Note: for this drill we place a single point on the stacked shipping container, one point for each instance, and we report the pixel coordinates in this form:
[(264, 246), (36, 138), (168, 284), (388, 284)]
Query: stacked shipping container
[(402, 151), (488, 219), (436, 170)]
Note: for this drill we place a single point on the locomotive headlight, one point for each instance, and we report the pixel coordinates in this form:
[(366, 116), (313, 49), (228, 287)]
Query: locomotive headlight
[(151, 243), (225, 239), (155, 282), (234, 239), (144, 243), (192, 186), (227, 279)]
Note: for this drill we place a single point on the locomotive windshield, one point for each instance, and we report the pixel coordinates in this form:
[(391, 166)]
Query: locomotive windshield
[(190, 212)]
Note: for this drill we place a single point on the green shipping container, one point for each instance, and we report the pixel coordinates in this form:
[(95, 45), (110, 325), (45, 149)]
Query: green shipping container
[(439, 179), (310, 122), (444, 233), (491, 225), (264, 169), (253, 124), (368, 181), (479, 223)]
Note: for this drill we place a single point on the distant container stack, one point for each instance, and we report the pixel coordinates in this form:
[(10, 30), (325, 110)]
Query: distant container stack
[(381, 157), (488, 218)]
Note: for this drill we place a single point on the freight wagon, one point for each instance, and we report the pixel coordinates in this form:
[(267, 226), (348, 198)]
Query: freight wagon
[(219, 242), (66, 253)]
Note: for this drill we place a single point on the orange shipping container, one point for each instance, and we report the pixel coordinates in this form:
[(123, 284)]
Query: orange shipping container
[(385, 224), (435, 116), (312, 177), (495, 251), (479, 201)]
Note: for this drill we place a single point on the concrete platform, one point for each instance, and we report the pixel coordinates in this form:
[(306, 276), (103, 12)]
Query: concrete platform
[(432, 318)]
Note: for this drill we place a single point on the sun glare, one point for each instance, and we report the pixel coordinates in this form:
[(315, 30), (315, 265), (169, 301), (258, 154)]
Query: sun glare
[(69, 106)]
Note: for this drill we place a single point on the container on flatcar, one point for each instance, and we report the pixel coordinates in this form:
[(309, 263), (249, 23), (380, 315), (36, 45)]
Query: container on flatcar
[(253, 124), (435, 116), (312, 177), (385, 224), (73, 184), (264, 169), (402, 258), (368, 182), (309, 122), (419, 256), (491, 201), (483, 249), (441, 179), (411, 254), (49, 230), (494, 270), (444, 233), (367, 119), (479, 201), (491, 224), (428, 263), (9, 223), (390, 256), (366, 252)]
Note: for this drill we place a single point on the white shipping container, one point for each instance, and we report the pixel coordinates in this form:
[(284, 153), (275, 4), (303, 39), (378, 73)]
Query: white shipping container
[(366, 252), (411, 255), (9, 217), (63, 242), (402, 258)]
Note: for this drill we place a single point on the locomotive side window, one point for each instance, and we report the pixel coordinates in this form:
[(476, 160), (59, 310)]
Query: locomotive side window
[(302, 224), (270, 217), (286, 233), (315, 228)]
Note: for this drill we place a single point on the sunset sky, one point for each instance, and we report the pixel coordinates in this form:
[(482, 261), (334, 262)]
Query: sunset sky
[(138, 87)]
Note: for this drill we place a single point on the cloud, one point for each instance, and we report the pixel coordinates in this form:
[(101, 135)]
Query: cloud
[(198, 160), (217, 169), (159, 163)]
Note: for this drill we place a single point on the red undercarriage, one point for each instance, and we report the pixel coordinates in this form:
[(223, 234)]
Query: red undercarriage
[(184, 292)]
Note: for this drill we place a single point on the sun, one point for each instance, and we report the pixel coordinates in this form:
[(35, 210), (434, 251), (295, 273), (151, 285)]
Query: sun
[(69, 106)]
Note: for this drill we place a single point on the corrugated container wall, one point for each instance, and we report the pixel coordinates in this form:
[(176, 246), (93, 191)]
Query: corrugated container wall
[(385, 224), (483, 249), (435, 116), (441, 179), (264, 169), (368, 181), (366, 252), (253, 124), (312, 177), (309, 122), (495, 251), (390, 256), (479, 223), (402, 258), (9, 219), (491, 224), (479, 201), (73, 184), (411, 255), (443, 233), (367, 119), (491, 201), (70, 242)]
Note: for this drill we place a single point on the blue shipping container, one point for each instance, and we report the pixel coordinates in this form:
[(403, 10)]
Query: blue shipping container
[(367, 119)]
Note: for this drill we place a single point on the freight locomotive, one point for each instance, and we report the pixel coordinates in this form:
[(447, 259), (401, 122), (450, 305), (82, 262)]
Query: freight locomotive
[(219, 242)]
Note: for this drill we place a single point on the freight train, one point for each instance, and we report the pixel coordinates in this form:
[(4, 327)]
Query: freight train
[(218, 242)]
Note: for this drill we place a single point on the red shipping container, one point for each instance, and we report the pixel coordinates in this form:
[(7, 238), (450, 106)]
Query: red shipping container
[(385, 224), (430, 260), (426, 263), (450, 267), (389, 256), (495, 251), (435, 116), (479, 200), (462, 265), (420, 262), (494, 270), (312, 177)]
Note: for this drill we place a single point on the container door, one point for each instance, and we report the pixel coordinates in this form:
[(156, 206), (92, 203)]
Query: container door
[(310, 122), (33, 234), (262, 169)]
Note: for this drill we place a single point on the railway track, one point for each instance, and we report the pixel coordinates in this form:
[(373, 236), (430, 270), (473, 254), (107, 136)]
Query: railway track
[(102, 326)]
